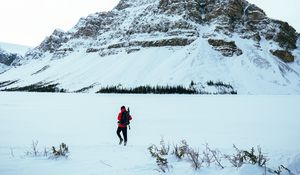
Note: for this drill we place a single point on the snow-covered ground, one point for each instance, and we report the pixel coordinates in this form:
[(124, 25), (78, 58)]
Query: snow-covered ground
[(87, 124)]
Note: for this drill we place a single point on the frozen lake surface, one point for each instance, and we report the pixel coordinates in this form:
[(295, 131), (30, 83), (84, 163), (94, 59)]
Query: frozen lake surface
[(87, 124)]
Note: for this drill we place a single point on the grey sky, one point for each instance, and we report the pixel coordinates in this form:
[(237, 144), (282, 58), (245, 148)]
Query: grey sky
[(28, 22)]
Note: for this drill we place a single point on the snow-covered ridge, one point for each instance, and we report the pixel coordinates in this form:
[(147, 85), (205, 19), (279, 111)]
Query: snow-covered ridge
[(14, 48), (151, 42)]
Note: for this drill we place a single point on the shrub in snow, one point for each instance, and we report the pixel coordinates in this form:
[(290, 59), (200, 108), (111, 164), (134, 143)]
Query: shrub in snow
[(161, 162), (243, 156), (212, 156), (153, 150), (33, 151), (259, 159), (160, 155), (164, 150), (209, 156), (237, 160), (195, 159), (181, 150), (45, 152), (281, 169), (62, 151)]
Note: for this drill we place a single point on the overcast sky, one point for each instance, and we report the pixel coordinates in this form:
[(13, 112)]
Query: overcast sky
[(28, 22)]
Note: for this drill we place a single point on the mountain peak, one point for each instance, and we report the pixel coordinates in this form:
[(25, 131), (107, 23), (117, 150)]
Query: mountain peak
[(224, 40), (228, 17)]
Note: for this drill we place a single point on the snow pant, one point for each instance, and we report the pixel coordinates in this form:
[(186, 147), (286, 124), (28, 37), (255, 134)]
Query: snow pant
[(124, 132)]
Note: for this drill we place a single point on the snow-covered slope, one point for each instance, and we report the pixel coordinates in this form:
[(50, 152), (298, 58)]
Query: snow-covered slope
[(156, 42)]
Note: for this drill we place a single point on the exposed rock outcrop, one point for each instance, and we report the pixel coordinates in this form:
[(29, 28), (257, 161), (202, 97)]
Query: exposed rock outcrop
[(284, 55), (287, 36), (9, 59), (53, 42), (228, 49)]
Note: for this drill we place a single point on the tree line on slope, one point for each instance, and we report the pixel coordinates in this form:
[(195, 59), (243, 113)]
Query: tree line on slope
[(222, 88)]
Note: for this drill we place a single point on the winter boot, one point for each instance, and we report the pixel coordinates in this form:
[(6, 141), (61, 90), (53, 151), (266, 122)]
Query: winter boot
[(125, 143), (121, 140)]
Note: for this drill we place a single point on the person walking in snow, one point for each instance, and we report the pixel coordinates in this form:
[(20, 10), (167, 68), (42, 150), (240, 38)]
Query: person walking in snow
[(123, 121)]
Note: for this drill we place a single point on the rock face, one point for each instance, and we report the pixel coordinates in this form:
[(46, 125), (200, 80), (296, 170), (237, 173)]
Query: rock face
[(9, 59), (287, 36), (228, 49), (188, 8), (284, 55), (174, 21)]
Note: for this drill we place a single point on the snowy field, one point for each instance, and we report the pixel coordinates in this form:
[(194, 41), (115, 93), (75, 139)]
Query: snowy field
[(87, 124)]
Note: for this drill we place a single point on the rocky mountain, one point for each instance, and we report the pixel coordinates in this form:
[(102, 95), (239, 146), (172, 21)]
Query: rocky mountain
[(10, 55), (7, 58), (168, 42)]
